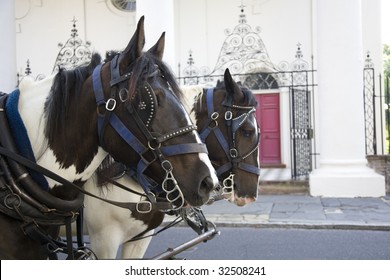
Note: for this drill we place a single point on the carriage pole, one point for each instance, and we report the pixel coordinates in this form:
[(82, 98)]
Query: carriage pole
[(171, 252)]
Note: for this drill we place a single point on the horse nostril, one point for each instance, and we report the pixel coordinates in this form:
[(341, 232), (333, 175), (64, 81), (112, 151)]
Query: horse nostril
[(207, 184)]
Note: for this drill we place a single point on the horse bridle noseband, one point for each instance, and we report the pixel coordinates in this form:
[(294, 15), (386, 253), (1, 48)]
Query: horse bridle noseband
[(235, 161), (155, 141)]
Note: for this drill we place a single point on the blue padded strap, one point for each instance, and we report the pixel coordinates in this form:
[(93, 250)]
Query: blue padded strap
[(126, 134), (133, 142), (222, 141), (209, 101), (224, 168), (115, 68), (205, 133), (217, 131), (188, 148), (20, 136), (99, 95), (97, 86), (249, 168)]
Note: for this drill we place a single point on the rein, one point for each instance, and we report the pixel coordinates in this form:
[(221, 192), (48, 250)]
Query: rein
[(154, 146), (235, 161)]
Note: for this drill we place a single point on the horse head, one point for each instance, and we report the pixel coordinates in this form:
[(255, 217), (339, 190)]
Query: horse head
[(229, 112), (143, 124)]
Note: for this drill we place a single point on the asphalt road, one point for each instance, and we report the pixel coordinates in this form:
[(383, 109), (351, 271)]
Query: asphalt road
[(277, 244)]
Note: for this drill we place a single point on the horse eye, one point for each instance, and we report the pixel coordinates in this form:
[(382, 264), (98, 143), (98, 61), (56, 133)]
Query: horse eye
[(247, 132)]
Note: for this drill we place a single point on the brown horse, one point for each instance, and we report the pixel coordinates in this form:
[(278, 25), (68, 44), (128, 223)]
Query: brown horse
[(227, 125), (226, 121), (128, 107)]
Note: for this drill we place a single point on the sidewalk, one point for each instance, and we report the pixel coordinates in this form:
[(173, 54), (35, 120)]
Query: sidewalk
[(303, 211)]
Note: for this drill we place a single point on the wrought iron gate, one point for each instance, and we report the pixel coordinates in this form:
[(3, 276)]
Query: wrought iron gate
[(301, 132), (369, 106)]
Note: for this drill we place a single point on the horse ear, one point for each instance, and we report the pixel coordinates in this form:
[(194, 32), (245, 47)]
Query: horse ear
[(232, 87), (135, 46), (158, 49)]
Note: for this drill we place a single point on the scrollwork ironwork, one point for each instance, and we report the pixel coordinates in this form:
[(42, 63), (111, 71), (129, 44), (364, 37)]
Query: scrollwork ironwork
[(74, 52)]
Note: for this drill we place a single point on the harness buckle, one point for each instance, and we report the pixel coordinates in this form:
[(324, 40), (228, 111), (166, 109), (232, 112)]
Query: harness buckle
[(110, 104), (228, 115), (147, 156), (167, 166), (233, 153), (142, 204)]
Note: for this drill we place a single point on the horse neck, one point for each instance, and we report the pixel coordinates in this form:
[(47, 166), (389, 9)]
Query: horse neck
[(190, 95), (33, 96), (31, 104)]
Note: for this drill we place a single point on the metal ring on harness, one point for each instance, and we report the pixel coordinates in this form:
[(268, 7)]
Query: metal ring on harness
[(153, 144), (233, 153), (11, 203), (111, 102), (214, 116), (123, 97)]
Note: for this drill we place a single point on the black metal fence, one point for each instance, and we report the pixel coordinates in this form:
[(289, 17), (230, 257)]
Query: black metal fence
[(376, 96), (300, 86)]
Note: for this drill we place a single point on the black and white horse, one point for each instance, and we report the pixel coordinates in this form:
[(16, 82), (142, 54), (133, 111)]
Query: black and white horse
[(128, 107), (226, 122)]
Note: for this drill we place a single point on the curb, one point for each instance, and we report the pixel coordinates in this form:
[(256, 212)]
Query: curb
[(253, 221)]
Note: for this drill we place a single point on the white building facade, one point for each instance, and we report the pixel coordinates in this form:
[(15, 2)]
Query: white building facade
[(328, 38)]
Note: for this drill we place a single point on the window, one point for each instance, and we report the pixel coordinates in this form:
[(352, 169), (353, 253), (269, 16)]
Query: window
[(124, 5)]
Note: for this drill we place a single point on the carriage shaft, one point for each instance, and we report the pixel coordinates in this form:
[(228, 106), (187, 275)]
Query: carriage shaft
[(171, 252)]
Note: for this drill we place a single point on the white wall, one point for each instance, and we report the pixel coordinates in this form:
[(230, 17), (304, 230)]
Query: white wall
[(42, 24), (201, 27), (7, 47)]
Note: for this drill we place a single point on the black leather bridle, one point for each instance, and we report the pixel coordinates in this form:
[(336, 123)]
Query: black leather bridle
[(155, 141), (235, 160)]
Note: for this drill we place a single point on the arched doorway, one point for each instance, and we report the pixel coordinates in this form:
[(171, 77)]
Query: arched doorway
[(268, 117)]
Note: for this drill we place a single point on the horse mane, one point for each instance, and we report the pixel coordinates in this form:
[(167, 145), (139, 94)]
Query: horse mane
[(249, 98), (65, 84)]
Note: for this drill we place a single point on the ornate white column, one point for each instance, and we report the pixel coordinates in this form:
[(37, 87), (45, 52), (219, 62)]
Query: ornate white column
[(343, 171), (8, 79), (159, 17)]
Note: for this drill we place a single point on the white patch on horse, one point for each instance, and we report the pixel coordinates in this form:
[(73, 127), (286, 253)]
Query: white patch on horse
[(49, 160), (31, 104), (191, 93), (113, 226)]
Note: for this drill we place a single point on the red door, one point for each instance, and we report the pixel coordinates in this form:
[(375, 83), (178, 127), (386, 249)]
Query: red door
[(268, 116)]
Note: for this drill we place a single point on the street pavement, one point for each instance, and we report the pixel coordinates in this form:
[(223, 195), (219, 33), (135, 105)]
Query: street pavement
[(303, 211)]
